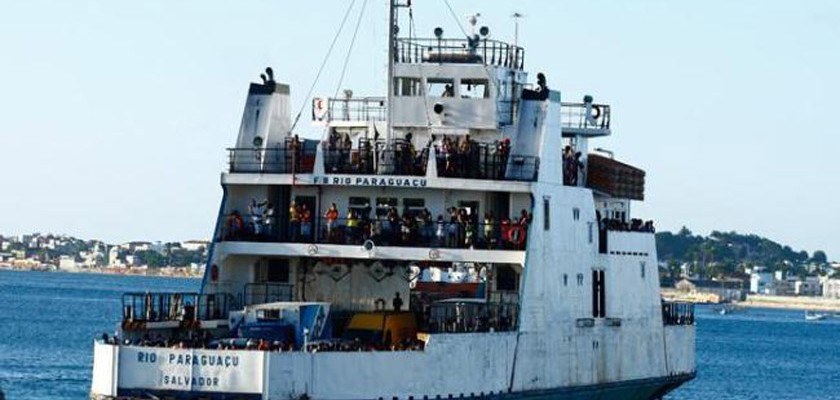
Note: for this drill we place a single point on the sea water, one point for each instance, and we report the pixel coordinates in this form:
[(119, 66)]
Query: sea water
[(48, 322)]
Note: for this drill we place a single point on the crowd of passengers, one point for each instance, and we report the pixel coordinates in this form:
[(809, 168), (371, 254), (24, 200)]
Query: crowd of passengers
[(461, 157), (401, 156), (261, 222), (207, 343), (357, 346), (458, 229)]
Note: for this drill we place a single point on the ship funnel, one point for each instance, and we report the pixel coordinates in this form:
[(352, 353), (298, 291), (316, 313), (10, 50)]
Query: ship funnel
[(266, 120)]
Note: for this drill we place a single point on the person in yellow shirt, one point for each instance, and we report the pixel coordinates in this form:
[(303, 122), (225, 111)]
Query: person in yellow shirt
[(352, 227), (294, 222)]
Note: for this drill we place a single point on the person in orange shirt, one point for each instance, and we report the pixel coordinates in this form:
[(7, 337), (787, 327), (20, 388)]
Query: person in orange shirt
[(331, 216)]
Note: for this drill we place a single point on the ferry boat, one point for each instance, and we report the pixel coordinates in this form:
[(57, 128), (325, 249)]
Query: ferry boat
[(455, 238)]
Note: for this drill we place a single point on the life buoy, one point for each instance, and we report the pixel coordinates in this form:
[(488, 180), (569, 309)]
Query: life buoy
[(596, 112)]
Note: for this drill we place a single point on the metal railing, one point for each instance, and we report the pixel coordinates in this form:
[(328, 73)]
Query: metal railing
[(285, 158), (382, 231), (460, 51), (675, 313), (261, 293), (173, 306), (363, 109), (470, 316), (400, 158), (574, 115), (486, 162)]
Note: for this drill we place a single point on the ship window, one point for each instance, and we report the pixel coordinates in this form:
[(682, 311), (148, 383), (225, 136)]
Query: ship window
[(438, 87), (580, 279), (361, 204), (474, 89), (413, 206), (546, 214), (642, 267), (407, 86), (576, 213), (383, 204), (565, 279), (591, 236)]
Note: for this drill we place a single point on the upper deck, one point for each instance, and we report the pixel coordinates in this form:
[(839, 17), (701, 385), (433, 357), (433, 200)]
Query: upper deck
[(395, 163), (480, 51)]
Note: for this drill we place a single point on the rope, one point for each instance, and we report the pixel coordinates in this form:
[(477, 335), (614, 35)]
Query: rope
[(350, 49), (323, 64), (455, 17), (423, 93)]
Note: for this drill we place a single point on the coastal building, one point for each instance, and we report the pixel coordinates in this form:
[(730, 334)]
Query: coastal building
[(67, 263), (762, 283), (195, 245), (810, 286), (716, 290), (831, 288)]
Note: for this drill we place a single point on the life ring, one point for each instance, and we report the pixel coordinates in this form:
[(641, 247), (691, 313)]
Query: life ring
[(596, 112)]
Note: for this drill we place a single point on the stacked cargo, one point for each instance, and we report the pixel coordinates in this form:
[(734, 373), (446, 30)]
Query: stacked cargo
[(615, 178)]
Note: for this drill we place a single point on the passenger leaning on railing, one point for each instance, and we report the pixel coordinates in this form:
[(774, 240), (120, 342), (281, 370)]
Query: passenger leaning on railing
[(330, 217), (305, 223), (234, 226), (257, 211), (294, 222), (489, 233), (269, 220)]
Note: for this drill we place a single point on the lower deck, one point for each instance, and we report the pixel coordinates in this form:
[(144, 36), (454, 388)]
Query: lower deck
[(490, 365)]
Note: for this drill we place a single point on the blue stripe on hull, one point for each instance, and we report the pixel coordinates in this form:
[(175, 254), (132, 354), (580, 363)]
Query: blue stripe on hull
[(643, 389)]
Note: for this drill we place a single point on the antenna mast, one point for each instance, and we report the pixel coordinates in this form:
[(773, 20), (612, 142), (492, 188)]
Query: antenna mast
[(516, 17), (392, 52)]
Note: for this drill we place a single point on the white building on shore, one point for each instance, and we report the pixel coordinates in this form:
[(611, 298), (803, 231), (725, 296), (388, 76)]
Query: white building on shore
[(831, 288), (762, 283)]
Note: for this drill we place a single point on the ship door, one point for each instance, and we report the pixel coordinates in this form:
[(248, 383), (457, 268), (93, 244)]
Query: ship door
[(500, 205), (599, 294)]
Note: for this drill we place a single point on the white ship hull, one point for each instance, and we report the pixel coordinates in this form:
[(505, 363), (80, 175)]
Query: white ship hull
[(452, 366)]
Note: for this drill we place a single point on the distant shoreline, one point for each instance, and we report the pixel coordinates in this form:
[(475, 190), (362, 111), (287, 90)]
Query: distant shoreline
[(169, 272), (792, 303), (761, 301)]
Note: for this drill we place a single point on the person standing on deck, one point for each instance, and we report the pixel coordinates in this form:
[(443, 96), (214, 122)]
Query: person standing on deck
[(397, 302), (294, 222), (305, 223), (331, 216), (256, 210)]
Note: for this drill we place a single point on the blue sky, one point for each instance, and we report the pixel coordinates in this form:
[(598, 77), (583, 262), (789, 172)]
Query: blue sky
[(114, 115)]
